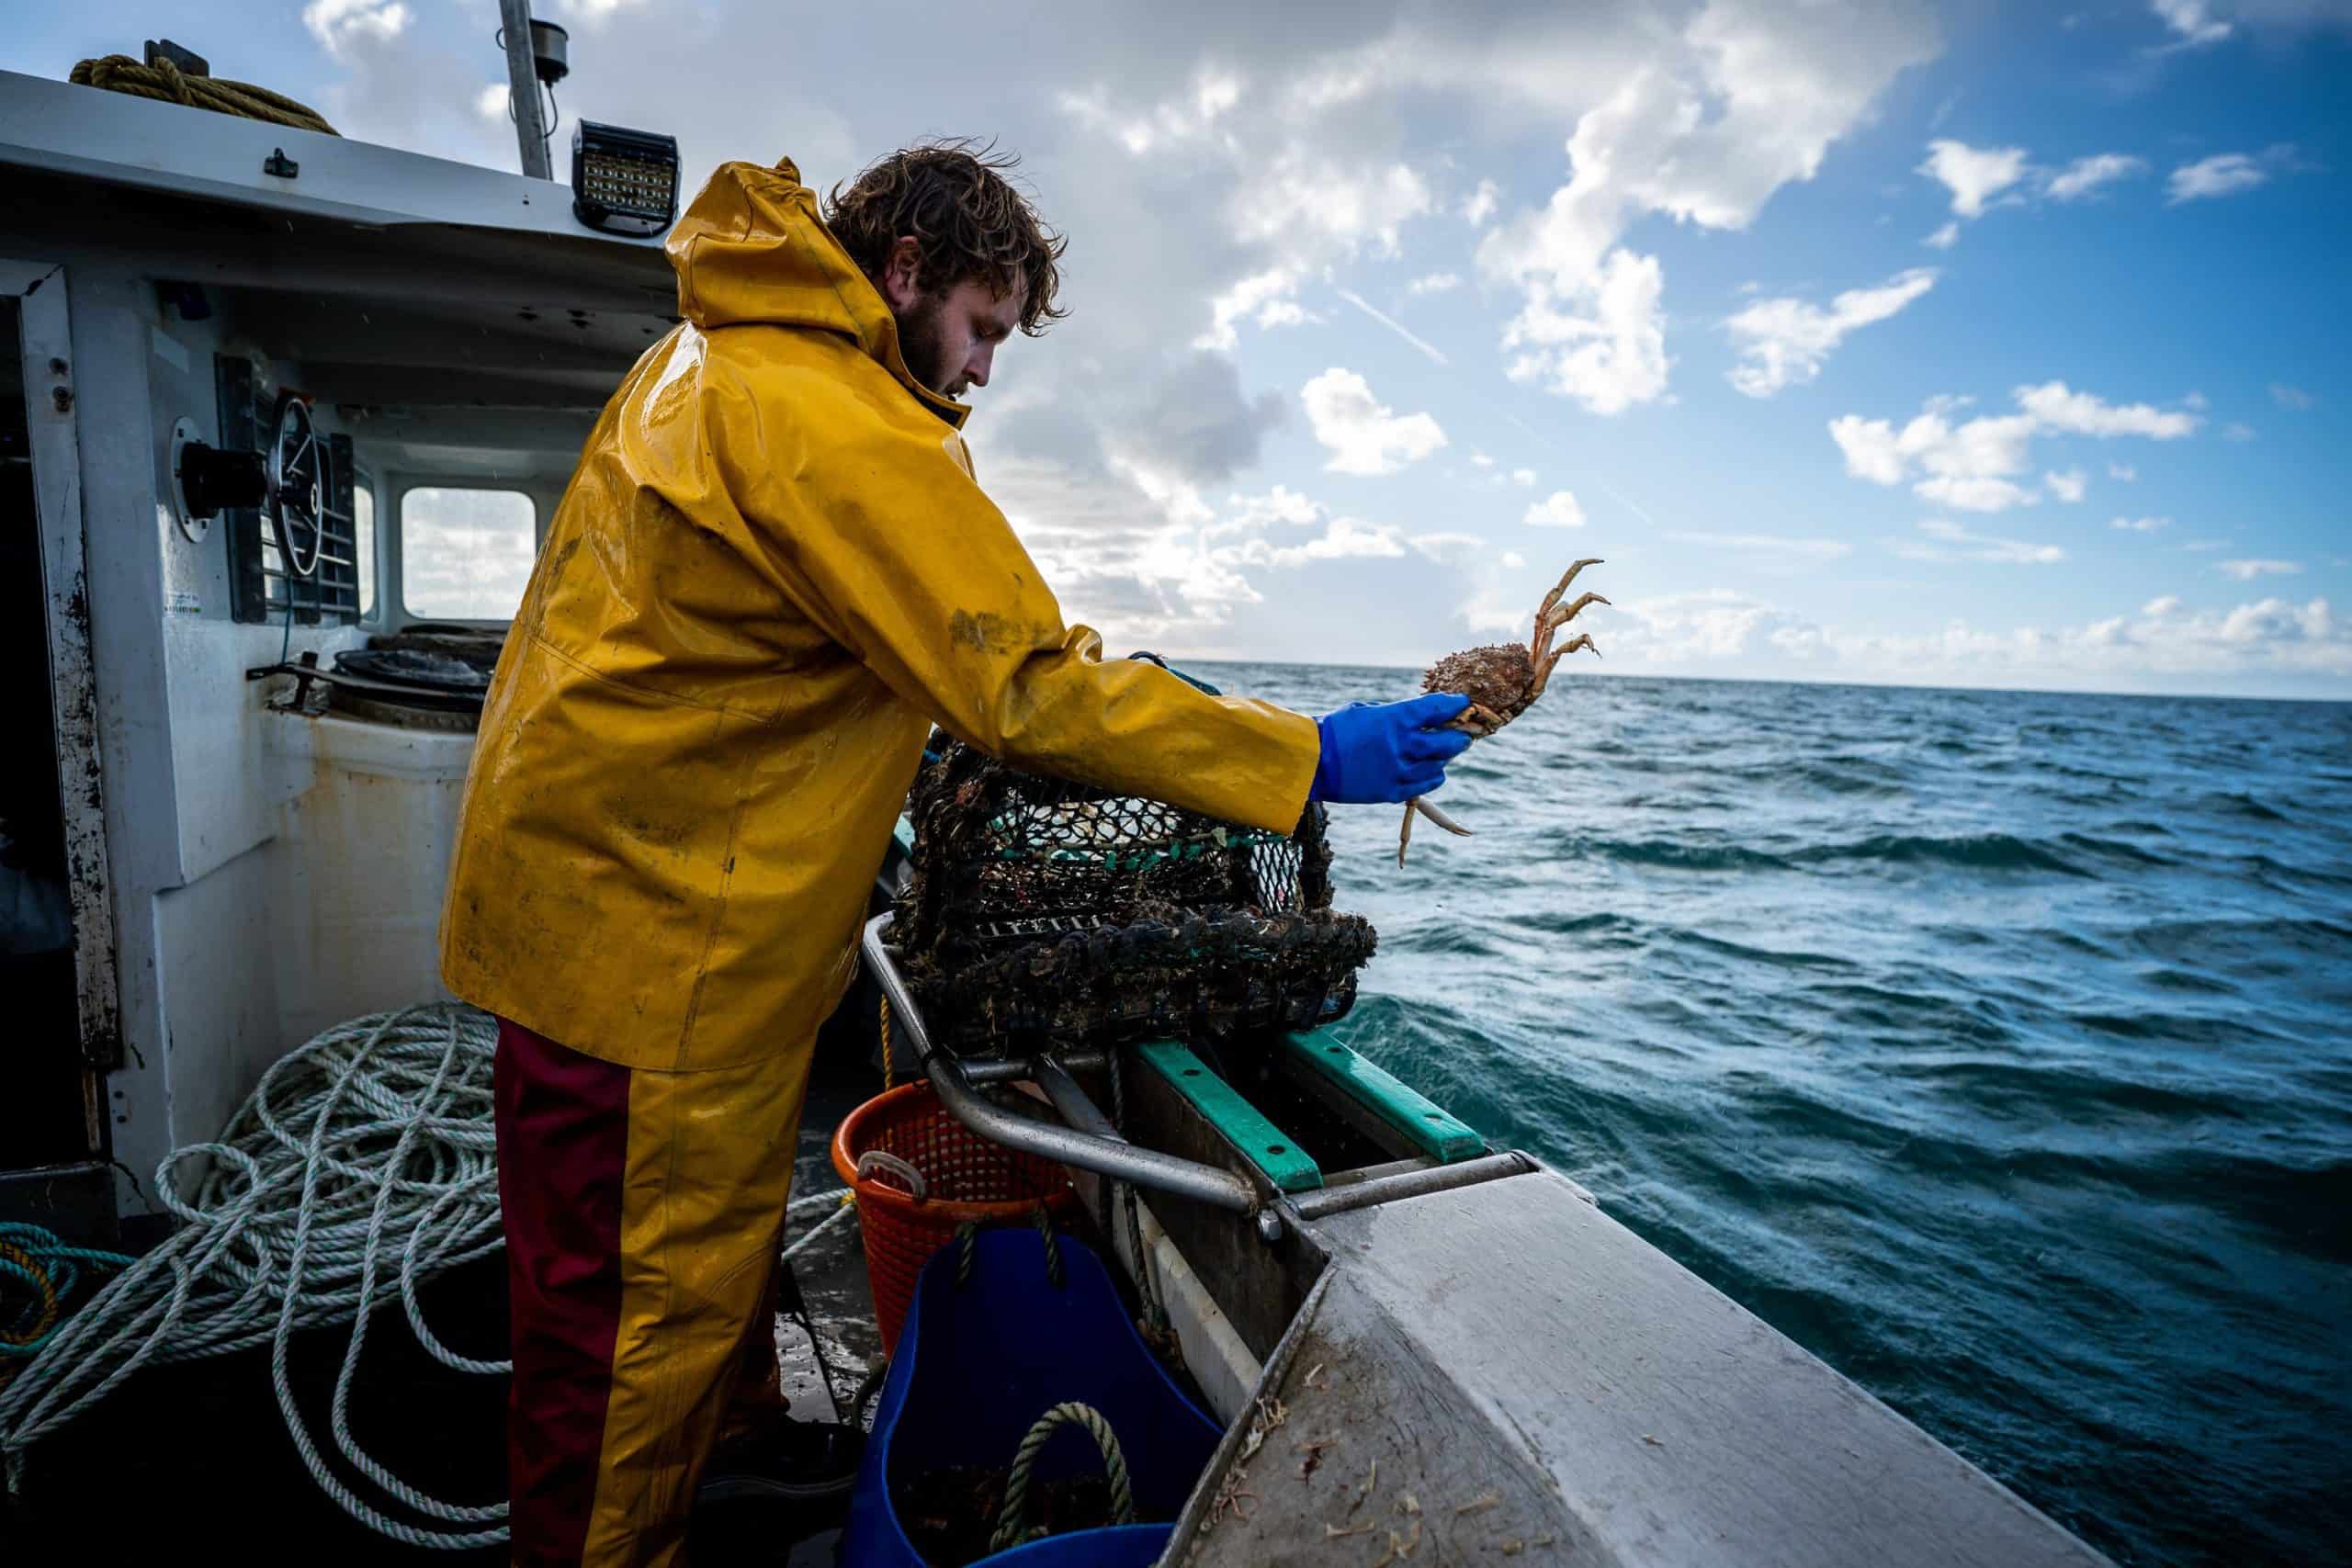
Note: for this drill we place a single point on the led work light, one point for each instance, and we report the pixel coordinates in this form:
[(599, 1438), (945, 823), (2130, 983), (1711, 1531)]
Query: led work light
[(624, 181)]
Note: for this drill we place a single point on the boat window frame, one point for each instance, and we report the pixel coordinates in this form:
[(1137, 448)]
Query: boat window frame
[(397, 566), (371, 587)]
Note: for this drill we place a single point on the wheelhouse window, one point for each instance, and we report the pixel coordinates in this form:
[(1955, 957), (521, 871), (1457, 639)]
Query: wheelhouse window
[(363, 531), (465, 554)]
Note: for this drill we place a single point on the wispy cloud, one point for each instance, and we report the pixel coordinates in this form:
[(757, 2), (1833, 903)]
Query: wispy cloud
[(1947, 541), (1783, 342), (2085, 176), (2291, 396), (2226, 173), (2247, 570), (2193, 22), (2141, 525), (2070, 486)]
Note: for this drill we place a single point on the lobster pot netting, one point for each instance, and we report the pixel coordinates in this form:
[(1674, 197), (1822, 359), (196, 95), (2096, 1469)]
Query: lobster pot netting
[(1044, 912)]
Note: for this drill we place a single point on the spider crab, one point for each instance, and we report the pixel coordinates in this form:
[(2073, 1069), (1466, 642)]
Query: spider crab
[(1501, 682)]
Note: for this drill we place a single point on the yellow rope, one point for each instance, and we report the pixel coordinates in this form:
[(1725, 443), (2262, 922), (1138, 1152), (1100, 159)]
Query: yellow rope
[(166, 83), (889, 1067)]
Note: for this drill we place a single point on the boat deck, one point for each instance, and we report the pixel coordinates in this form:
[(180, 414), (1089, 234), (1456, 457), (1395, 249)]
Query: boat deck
[(197, 1453)]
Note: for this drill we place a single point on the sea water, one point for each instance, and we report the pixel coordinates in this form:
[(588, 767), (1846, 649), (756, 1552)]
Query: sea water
[(1995, 1046)]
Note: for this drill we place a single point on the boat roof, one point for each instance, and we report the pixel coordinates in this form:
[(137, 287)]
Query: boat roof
[(122, 139)]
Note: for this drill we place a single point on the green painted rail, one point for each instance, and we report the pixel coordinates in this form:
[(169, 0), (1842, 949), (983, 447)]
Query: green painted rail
[(1424, 1123), (1267, 1147)]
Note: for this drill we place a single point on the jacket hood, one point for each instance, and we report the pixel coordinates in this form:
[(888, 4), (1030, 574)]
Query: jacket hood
[(752, 249)]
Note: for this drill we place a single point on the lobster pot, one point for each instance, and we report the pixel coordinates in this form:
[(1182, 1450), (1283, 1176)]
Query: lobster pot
[(980, 1363), (932, 1175), (1042, 911)]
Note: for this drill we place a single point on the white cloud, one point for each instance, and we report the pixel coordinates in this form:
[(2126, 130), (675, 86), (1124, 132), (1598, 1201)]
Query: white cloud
[(2123, 471), (1449, 549), (1523, 476), (2195, 400), (2085, 176), (2161, 645), (2290, 397), (1951, 542), (2070, 486), (1483, 204), (1435, 283), (338, 24), (1608, 350), (1342, 538), (1263, 295), (2226, 173), (2141, 525), (1558, 510), (1944, 238), (492, 102), (1974, 175), (1748, 98), (1973, 465), (2191, 20), (594, 11), (2247, 570), (1251, 513), (1782, 342), (1481, 459), (1365, 437), (2082, 413), (1183, 118), (1973, 493), (2238, 430)]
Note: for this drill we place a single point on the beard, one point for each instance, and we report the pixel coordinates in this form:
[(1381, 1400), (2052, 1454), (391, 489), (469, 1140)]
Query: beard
[(922, 343)]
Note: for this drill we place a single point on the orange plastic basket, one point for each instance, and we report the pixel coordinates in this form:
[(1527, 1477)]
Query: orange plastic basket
[(962, 1177)]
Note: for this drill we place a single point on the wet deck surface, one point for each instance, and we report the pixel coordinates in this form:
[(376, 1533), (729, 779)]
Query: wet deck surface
[(196, 1459)]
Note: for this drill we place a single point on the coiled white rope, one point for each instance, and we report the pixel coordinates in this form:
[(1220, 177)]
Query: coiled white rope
[(373, 1139)]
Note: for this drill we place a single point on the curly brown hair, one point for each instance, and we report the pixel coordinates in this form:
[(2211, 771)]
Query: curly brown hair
[(952, 196)]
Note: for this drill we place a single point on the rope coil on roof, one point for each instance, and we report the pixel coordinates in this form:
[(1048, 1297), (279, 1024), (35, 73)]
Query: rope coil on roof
[(166, 82)]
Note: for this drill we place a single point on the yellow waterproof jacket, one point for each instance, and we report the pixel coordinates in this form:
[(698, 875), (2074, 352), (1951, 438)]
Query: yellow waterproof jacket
[(772, 573)]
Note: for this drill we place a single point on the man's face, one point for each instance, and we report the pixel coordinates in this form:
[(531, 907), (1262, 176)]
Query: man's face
[(948, 338)]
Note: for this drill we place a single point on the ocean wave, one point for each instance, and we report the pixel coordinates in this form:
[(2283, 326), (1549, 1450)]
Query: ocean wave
[(2241, 804), (1981, 851)]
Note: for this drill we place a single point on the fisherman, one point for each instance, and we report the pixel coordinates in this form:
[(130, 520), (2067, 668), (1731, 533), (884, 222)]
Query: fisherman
[(772, 574)]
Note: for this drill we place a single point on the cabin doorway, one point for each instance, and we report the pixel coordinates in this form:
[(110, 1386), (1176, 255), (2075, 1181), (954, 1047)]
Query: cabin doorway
[(60, 1034), (41, 1120)]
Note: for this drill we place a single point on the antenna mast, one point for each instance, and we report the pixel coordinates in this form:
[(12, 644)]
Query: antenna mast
[(523, 88)]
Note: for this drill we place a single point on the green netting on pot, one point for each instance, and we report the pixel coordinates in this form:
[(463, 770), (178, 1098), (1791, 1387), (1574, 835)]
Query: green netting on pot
[(1043, 911)]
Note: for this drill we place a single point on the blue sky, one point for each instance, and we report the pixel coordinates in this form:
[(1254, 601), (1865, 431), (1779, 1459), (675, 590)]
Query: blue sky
[(1848, 334)]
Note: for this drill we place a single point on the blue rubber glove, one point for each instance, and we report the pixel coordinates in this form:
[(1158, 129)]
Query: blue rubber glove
[(1376, 753)]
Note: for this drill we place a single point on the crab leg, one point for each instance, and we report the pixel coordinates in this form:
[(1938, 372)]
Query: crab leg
[(1566, 612), (1535, 643), (1405, 832), (1422, 805), (1544, 665)]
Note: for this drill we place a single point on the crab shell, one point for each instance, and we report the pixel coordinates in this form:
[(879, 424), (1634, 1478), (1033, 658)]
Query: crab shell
[(1498, 681)]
